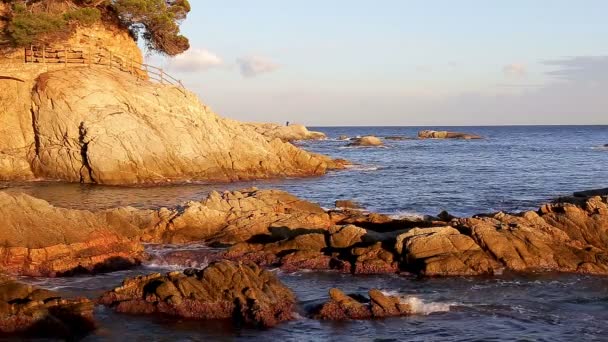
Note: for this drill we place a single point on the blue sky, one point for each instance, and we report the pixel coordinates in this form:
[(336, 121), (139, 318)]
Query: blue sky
[(388, 62)]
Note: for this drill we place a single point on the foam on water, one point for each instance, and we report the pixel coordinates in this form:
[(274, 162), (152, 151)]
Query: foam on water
[(419, 306)]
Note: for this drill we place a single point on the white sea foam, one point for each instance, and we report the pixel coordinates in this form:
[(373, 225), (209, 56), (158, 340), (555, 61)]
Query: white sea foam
[(362, 167), (418, 305), (407, 215)]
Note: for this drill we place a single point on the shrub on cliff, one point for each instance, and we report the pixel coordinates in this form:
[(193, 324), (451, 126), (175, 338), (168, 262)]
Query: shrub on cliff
[(46, 21)]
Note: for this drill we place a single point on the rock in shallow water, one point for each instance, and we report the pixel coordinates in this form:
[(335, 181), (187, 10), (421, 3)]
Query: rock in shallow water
[(35, 312), (224, 290), (343, 307), (368, 140), (446, 135)]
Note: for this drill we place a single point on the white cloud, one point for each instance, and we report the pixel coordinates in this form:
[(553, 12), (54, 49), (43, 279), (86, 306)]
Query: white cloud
[(252, 66), (195, 60), (515, 69)]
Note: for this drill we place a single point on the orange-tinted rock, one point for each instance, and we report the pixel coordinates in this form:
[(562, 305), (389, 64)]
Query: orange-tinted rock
[(343, 307), (42, 240), (41, 313), (224, 290)]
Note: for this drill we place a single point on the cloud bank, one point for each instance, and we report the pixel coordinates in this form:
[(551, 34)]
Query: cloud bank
[(253, 66), (515, 70), (195, 60)]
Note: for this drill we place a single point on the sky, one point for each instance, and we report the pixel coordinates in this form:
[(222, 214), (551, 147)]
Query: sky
[(398, 62)]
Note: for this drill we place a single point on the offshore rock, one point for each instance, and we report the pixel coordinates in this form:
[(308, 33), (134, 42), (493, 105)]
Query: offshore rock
[(242, 292), (446, 135), (343, 307), (33, 312), (368, 140)]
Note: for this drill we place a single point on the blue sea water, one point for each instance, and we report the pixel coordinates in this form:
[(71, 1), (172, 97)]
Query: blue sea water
[(513, 168)]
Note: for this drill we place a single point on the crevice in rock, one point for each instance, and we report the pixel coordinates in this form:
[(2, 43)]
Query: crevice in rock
[(36, 132), (84, 149)]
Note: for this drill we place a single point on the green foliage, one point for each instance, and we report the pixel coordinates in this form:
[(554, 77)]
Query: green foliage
[(155, 21), (158, 21), (86, 16), (26, 28)]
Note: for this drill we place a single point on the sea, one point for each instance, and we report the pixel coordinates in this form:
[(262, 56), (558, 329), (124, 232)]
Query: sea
[(514, 168)]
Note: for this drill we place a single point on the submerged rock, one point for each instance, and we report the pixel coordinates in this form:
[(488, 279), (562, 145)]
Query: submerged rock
[(242, 292), (26, 310), (368, 140), (446, 135), (343, 307)]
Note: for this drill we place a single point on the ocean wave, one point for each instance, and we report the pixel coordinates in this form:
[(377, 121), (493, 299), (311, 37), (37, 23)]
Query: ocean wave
[(601, 148), (419, 306), (360, 167)]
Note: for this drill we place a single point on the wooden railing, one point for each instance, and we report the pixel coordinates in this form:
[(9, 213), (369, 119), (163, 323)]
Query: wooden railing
[(70, 55)]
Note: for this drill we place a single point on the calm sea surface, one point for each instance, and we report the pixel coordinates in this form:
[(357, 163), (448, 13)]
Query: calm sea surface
[(514, 168)]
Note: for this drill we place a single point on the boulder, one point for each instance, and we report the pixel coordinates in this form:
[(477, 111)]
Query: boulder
[(242, 292), (446, 135), (42, 240), (368, 140), (443, 251), (26, 310), (292, 132), (343, 307)]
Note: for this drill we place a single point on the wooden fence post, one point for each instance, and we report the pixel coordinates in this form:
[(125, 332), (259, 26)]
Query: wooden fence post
[(65, 51), (43, 54)]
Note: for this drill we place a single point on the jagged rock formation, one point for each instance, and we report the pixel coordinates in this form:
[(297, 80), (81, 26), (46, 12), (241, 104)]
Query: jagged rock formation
[(41, 240), (343, 307), (292, 132), (274, 228), (233, 217), (41, 313), (446, 135), (96, 125), (242, 292)]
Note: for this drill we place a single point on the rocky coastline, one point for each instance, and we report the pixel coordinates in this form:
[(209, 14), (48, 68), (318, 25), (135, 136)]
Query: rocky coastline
[(256, 230)]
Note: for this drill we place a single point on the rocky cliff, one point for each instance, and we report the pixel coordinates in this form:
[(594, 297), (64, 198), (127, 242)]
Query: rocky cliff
[(96, 125)]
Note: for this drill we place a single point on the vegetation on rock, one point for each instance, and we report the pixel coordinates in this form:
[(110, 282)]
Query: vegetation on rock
[(48, 21)]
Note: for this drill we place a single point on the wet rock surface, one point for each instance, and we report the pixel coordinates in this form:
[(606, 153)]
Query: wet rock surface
[(33, 312), (344, 307), (243, 292)]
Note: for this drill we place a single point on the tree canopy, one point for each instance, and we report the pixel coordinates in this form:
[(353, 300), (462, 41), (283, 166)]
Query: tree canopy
[(44, 21)]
